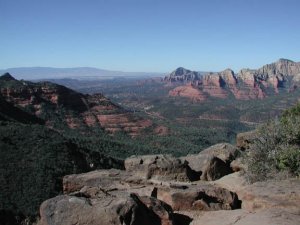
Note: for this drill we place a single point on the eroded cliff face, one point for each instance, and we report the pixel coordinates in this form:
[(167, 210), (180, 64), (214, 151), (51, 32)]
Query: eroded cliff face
[(183, 75), (247, 84), (189, 91), (50, 101)]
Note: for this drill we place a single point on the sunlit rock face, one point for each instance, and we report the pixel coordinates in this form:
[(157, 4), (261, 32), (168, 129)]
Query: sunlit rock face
[(248, 84)]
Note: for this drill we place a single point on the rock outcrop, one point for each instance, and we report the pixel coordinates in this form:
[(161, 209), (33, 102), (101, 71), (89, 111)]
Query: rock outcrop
[(266, 203), (245, 85), (160, 167), (213, 162), (129, 197), (189, 91)]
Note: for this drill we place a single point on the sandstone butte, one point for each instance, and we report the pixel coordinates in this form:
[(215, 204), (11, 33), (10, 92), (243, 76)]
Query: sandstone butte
[(205, 188), (247, 84)]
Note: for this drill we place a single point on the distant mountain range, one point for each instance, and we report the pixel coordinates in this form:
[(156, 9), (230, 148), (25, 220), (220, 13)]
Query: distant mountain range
[(283, 75), (38, 73)]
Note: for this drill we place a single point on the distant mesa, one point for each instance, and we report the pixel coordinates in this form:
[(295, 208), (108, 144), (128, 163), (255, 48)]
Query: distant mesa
[(283, 75)]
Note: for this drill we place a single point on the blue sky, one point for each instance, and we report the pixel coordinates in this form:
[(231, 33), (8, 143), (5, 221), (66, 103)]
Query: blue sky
[(148, 35)]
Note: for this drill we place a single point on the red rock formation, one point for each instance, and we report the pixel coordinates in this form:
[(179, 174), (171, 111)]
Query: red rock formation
[(247, 93), (228, 77), (247, 84), (213, 85), (188, 91)]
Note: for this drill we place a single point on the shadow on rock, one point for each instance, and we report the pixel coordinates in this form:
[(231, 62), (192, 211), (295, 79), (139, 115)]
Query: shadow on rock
[(180, 219)]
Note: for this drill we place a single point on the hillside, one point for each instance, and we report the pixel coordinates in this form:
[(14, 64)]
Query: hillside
[(33, 160), (59, 106)]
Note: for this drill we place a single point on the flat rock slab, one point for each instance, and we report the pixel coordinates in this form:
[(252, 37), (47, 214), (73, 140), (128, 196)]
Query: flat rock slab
[(271, 194), (243, 217), (200, 197), (234, 182), (106, 179)]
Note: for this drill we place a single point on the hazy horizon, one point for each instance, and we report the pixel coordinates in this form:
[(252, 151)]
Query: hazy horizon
[(148, 35), (30, 68)]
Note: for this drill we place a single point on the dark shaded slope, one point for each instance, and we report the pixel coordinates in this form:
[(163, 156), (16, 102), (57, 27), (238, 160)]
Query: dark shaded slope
[(11, 113), (33, 160)]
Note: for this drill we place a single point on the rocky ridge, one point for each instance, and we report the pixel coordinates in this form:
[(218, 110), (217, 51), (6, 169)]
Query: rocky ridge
[(247, 84), (76, 110)]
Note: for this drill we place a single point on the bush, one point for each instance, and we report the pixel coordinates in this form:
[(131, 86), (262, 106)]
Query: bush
[(289, 160), (276, 149)]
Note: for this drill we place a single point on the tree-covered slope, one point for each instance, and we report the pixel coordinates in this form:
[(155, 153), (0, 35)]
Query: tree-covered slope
[(33, 160)]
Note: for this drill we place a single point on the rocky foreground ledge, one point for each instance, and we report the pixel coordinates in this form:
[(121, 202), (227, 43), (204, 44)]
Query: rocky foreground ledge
[(207, 188)]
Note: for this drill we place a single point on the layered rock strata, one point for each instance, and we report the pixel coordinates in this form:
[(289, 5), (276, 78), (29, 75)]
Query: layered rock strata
[(283, 75), (53, 102)]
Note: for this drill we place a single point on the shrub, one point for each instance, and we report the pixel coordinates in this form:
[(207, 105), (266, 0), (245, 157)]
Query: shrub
[(276, 149)]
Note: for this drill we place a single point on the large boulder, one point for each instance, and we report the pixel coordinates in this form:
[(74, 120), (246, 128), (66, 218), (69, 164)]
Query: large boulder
[(160, 167), (105, 210), (108, 181), (203, 197), (216, 169), (213, 162)]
